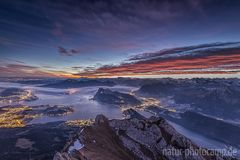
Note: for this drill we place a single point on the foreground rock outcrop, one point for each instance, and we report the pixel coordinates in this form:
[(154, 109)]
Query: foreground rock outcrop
[(134, 138)]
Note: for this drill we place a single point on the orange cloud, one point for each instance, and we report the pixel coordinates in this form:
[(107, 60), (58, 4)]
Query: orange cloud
[(208, 64)]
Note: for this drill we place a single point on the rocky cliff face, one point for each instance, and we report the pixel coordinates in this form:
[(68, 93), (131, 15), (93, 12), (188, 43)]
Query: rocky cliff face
[(135, 138)]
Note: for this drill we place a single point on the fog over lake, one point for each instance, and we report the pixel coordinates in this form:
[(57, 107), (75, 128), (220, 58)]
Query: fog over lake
[(86, 108), (79, 98)]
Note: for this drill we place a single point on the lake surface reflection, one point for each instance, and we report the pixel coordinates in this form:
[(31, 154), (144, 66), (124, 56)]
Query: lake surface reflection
[(79, 98)]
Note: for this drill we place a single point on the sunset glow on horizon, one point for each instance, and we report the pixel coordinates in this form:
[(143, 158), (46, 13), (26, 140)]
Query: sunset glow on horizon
[(103, 39)]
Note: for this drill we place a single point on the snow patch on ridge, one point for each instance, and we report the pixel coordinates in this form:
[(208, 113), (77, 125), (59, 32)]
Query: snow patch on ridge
[(77, 145)]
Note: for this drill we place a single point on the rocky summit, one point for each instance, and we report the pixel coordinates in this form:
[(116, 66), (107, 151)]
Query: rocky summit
[(134, 138)]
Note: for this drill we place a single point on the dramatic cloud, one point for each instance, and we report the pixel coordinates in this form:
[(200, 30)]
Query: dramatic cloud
[(208, 59), (190, 51), (106, 24), (218, 58), (66, 33)]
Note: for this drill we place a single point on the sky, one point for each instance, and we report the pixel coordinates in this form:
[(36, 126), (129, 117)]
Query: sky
[(120, 38)]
